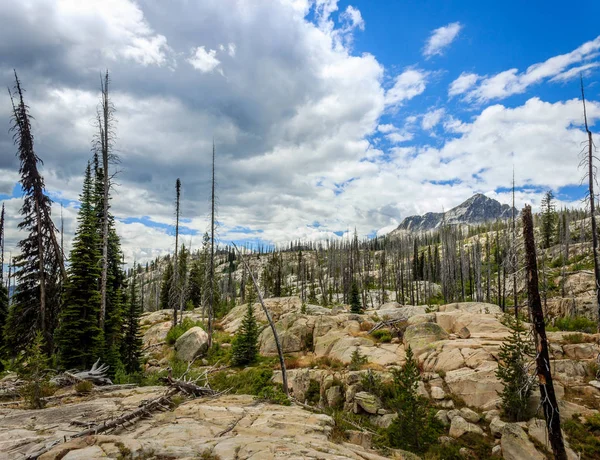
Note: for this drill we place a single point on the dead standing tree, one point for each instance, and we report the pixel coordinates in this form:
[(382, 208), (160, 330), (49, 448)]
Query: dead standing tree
[(587, 160), (270, 320), (548, 396), (175, 279), (104, 144)]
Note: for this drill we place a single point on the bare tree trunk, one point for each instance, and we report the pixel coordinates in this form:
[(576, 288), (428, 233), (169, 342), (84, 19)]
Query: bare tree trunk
[(514, 252), (104, 144), (590, 174), (271, 323), (211, 277), (549, 402), (42, 269), (175, 280)]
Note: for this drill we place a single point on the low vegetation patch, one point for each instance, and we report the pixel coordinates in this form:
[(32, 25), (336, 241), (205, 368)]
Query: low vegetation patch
[(584, 437), (574, 324), (256, 381), (177, 331), (574, 338), (382, 335), (84, 387)]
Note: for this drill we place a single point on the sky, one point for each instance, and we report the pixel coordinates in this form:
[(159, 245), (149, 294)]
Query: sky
[(327, 115)]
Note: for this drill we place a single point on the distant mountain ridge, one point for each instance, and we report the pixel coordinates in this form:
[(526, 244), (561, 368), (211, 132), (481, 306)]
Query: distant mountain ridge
[(476, 210)]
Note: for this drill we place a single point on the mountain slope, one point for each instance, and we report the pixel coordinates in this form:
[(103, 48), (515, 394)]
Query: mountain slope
[(476, 210)]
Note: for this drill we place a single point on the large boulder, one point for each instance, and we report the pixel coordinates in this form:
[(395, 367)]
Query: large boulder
[(479, 387), (516, 444), (156, 334), (419, 336), (367, 402), (473, 307), (192, 343), (403, 312), (277, 307), (460, 426), (475, 324), (295, 334)]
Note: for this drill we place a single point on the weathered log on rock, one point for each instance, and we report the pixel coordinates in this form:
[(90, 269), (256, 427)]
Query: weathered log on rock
[(190, 388), (145, 409)]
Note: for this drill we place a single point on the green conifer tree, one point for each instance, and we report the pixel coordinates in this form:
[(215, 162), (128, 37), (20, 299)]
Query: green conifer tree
[(165, 287), (115, 303), (35, 373), (513, 371), (131, 351), (195, 284), (78, 336), (245, 343), (355, 303), (415, 428), (549, 219), (40, 268)]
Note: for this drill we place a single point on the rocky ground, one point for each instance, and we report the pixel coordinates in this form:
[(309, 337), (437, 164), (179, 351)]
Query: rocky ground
[(456, 346)]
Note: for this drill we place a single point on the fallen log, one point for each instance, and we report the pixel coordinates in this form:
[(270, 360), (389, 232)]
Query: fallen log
[(145, 409)]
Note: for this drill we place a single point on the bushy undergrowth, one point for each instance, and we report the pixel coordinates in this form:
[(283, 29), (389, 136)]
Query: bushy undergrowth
[(574, 324), (177, 331), (252, 381), (584, 437), (382, 335)]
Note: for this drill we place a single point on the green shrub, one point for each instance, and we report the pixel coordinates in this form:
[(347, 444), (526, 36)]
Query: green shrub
[(218, 354), (574, 338), (313, 393), (382, 335), (273, 395), (584, 437), (576, 324), (249, 381), (513, 371), (177, 331), (357, 360), (84, 387)]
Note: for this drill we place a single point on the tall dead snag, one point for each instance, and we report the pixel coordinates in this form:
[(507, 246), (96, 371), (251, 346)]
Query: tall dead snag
[(549, 403), (175, 280), (104, 144), (211, 272), (270, 320), (587, 160)]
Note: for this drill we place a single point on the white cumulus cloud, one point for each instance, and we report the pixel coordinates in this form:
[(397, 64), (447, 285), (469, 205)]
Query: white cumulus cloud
[(441, 38)]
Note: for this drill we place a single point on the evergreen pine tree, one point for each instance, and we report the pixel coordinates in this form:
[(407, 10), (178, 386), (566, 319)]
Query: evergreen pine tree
[(513, 372), (549, 219), (355, 303), (115, 303), (131, 351), (416, 427), (78, 336), (35, 373), (165, 287), (195, 284), (245, 343), (36, 301)]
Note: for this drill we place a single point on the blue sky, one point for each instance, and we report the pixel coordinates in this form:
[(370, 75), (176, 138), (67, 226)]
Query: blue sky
[(327, 115)]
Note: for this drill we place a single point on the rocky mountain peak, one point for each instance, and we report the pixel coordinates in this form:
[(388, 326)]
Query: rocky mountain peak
[(476, 210)]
